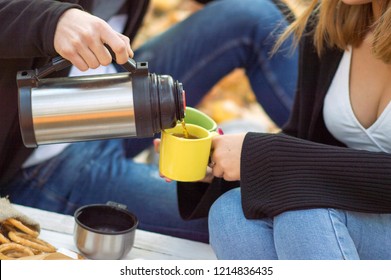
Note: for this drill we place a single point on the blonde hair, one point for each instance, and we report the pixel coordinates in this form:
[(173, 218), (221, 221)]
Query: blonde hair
[(339, 25)]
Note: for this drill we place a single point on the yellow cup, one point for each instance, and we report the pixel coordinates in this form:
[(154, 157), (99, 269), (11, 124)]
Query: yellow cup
[(184, 159)]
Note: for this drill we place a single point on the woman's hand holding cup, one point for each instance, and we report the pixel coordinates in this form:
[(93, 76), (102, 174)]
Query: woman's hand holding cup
[(226, 156)]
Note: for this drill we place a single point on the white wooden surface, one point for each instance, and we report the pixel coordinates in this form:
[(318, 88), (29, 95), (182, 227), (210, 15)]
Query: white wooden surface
[(57, 229)]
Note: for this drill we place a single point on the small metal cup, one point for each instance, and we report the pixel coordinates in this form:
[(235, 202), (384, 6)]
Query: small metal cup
[(104, 231)]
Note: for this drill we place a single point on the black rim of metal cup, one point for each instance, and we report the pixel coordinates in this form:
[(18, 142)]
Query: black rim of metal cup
[(94, 217)]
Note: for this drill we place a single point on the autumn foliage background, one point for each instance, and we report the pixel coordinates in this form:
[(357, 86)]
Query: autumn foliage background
[(232, 98)]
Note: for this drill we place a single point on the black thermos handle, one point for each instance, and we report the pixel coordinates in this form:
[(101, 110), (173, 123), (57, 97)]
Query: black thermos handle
[(59, 63), (130, 65)]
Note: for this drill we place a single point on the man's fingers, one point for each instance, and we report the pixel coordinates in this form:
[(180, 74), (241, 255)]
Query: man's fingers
[(119, 44), (81, 37), (89, 57), (102, 54), (79, 63), (127, 43)]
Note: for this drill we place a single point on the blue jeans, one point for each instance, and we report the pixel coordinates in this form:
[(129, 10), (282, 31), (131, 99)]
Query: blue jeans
[(198, 52), (315, 234)]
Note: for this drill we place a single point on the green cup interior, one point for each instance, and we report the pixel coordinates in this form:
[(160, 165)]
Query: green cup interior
[(195, 116)]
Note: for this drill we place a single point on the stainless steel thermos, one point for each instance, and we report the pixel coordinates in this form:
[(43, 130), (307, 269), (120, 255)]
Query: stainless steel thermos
[(135, 103)]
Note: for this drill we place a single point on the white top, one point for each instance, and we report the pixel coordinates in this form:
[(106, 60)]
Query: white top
[(46, 152), (341, 121)]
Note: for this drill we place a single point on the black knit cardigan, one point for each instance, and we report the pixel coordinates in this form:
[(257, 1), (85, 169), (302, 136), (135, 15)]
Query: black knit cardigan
[(304, 166)]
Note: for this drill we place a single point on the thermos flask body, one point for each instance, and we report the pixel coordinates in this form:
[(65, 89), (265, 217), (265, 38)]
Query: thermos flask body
[(77, 109), (122, 105)]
